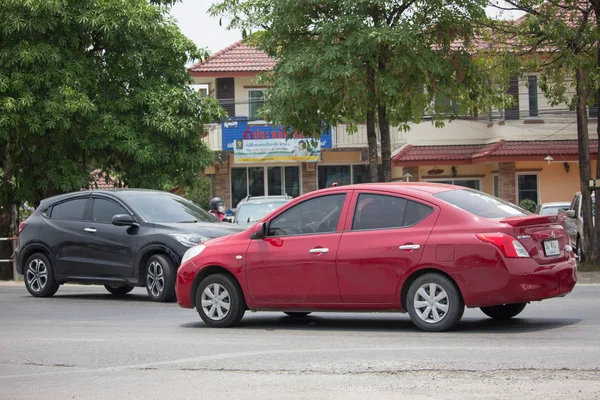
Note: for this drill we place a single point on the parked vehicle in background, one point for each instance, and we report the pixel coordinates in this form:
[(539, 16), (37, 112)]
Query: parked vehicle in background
[(252, 209), (574, 224), (119, 238), (424, 248), (552, 208)]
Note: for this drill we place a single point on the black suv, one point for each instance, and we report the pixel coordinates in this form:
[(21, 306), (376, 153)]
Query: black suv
[(254, 208), (119, 238)]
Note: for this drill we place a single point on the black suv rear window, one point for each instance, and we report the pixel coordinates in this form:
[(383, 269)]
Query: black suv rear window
[(481, 204)]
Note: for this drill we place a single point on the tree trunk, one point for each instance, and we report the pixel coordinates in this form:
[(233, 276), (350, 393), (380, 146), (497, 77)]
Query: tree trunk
[(386, 146), (6, 210), (589, 233), (371, 133), (595, 253)]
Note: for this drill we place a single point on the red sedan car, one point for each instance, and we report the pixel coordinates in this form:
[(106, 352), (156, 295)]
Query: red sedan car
[(422, 248)]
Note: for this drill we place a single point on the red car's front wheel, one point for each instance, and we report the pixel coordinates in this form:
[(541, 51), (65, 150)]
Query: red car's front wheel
[(220, 301)]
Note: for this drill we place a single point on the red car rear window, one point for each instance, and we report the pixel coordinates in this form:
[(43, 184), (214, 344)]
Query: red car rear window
[(481, 204)]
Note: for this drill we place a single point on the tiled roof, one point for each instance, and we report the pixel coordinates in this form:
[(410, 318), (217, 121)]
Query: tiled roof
[(498, 151), (100, 181), (239, 57), (434, 153)]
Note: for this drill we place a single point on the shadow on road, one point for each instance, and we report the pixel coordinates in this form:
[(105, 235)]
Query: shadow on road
[(397, 323), (102, 297)]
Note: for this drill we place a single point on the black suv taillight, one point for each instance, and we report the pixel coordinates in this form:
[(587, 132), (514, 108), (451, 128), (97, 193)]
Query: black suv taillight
[(22, 226)]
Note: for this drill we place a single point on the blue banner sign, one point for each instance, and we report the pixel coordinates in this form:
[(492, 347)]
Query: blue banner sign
[(240, 130)]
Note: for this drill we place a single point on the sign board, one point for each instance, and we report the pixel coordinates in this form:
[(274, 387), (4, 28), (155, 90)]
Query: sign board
[(276, 150), (240, 130)]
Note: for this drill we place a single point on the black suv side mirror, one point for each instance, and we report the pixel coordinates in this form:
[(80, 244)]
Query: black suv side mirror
[(124, 220)]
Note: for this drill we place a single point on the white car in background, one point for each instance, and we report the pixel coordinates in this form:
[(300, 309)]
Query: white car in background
[(552, 208)]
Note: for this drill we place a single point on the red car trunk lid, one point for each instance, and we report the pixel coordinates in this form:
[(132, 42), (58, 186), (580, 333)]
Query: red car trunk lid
[(543, 236)]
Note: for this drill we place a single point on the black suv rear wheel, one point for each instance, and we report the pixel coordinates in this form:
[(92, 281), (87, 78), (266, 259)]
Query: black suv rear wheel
[(39, 276)]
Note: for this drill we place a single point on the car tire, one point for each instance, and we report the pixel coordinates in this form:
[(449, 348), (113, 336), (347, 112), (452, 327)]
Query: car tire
[(296, 314), (437, 314), (39, 276), (160, 278), (119, 290), (504, 312), (220, 301)]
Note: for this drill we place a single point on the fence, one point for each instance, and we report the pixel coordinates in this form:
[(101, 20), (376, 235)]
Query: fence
[(16, 276)]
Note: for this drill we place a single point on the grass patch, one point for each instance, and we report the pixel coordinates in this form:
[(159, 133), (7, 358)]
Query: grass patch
[(587, 267)]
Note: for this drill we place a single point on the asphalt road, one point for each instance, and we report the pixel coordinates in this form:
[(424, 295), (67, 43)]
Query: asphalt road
[(86, 344)]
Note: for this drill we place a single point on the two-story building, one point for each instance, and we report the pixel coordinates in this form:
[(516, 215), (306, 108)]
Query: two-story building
[(526, 151)]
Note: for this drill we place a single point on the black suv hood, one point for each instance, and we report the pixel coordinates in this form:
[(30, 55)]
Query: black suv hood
[(209, 229)]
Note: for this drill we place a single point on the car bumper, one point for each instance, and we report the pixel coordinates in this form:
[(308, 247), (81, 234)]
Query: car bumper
[(525, 283), (183, 285)]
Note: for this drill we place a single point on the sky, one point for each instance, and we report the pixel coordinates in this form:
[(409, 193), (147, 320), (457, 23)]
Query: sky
[(204, 30)]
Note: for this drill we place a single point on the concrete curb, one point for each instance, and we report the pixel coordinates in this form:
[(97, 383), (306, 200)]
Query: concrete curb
[(588, 277)]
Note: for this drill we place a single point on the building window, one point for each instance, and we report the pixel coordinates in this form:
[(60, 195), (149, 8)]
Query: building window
[(468, 183), (533, 95), (445, 105), (264, 181), (527, 187), (342, 175), (255, 101), (496, 186)]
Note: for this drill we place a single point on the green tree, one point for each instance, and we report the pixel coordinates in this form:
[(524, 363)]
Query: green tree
[(561, 40), (88, 84), (379, 61)]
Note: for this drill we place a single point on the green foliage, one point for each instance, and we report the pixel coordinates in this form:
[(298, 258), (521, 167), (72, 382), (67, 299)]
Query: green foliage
[(88, 84), (554, 38), (325, 48), (198, 193), (528, 205)]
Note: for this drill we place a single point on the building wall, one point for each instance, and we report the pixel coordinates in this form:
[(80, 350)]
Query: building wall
[(241, 94), (555, 183)]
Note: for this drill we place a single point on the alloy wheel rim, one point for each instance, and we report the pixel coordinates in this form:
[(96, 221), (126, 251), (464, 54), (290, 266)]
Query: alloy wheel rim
[(155, 279), (37, 275), (216, 301), (431, 303)]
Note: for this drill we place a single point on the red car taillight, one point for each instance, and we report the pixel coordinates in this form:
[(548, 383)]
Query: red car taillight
[(22, 226), (510, 246)]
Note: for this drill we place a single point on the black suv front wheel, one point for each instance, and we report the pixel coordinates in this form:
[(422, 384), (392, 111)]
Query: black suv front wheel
[(160, 278)]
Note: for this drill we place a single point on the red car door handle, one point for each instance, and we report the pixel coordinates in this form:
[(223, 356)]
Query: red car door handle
[(410, 247), (319, 250)]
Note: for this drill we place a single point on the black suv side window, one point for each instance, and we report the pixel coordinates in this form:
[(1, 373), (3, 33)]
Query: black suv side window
[(103, 210), (317, 215), (71, 209)]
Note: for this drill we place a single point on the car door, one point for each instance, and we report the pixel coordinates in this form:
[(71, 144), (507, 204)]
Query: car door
[(384, 236), (65, 235), (295, 263), (111, 248)]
